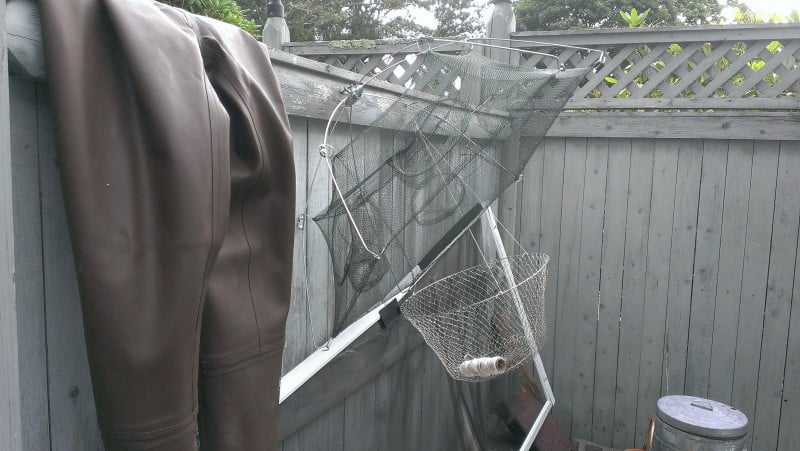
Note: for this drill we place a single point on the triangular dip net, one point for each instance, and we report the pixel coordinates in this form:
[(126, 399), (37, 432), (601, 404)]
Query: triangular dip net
[(438, 156)]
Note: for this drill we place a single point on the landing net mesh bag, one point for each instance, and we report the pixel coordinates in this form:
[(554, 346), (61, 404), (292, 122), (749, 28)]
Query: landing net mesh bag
[(484, 314), (460, 134)]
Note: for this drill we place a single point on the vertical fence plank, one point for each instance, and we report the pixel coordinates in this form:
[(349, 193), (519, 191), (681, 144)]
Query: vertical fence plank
[(665, 169), (405, 424), (550, 236), (591, 241), (631, 332), (731, 261), (327, 431), (358, 419), (320, 282), (295, 347), (28, 266), (530, 216), (706, 265), (324, 433), (73, 422), (760, 212), (568, 269), (437, 411), (10, 396), (384, 389), (789, 433), (684, 231), (778, 304), (616, 206)]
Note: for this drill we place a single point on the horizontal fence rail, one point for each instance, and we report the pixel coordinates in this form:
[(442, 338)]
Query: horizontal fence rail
[(699, 68)]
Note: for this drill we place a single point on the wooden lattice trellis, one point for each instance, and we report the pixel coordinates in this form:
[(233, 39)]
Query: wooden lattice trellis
[(720, 67)]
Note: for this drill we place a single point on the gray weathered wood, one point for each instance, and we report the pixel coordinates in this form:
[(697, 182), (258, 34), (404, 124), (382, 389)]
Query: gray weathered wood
[(28, 273), (684, 231), (568, 278), (320, 285), (633, 287), (295, 347), (358, 419), (326, 432), (73, 422), (706, 264), (371, 355), (789, 433), (591, 241), (665, 167), (10, 393), (405, 414), (610, 297), (755, 269), (275, 32), (26, 56), (731, 261), (769, 398), (550, 233)]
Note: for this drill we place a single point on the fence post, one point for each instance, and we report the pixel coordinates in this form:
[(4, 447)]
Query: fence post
[(501, 24), (276, 32), (10, 397)]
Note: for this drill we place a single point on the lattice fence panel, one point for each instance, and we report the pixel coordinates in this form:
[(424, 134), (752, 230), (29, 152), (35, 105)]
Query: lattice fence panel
[(762, 72)]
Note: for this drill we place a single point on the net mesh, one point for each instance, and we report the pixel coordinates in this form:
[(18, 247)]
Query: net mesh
[(447, 147), (477, 314)]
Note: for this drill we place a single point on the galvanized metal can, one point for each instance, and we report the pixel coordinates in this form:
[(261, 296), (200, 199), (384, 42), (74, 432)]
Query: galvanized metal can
[(689, 423)]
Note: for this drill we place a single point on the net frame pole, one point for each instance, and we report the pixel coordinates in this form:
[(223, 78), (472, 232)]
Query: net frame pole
[(541, 375)]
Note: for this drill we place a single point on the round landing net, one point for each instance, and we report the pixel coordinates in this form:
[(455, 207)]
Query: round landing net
[(486, 320)]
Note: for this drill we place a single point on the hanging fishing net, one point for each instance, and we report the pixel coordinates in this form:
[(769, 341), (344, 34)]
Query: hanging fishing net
[(419, 175)]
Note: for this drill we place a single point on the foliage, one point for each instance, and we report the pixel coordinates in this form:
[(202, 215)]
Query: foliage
[(225, 10), (454, 17), (633, 18), (569, 14), (314, 20)]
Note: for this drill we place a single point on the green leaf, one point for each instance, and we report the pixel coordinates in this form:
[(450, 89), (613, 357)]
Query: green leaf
[(774, 46), (611, 80), (756, 64)]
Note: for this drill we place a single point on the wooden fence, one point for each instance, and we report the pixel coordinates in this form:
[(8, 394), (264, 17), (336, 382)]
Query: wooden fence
[(673, 236), (666, 199)]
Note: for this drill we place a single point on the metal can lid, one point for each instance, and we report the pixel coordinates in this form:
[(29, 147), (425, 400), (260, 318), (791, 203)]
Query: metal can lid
[(700, 416)]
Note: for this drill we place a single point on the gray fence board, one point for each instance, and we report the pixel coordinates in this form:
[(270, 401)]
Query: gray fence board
[(358, 420), (780, 282), (684, 230), (706, 264), (31, 325), (631, 331), (591, 241), (10, 389), (568, 269), (73, 422), (552, 185), (731, 261), (754, 277), (789, 433), (665, 168), (296, 348), (617, 176)]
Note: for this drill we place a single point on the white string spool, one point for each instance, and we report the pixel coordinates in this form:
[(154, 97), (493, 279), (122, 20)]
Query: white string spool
[(483, 367)]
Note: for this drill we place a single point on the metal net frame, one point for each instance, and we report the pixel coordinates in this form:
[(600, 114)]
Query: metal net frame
[(486, 314), (457, 138)]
